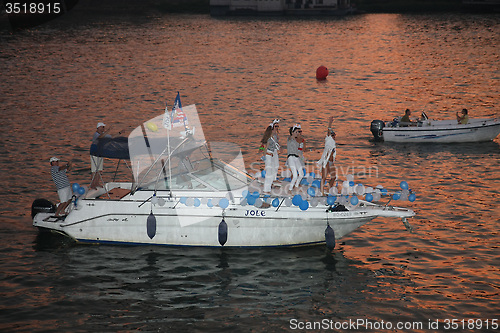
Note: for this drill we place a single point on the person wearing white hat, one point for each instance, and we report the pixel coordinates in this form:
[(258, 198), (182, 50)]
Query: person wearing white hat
[(62, 183), (96, 162), (294, 155)]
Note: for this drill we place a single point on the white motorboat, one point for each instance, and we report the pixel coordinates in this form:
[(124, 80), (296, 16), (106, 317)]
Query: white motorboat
[(187, 192), (444, 131)]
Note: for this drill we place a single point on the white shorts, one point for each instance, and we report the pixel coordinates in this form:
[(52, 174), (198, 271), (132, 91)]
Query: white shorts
[(65, 194), (96, 163)]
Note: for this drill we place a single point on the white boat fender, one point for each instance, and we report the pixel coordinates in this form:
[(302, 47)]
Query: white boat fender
[(222, 232), (151, 225), (330, 237)]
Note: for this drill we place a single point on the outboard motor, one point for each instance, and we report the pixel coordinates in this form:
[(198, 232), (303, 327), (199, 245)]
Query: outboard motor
[(42, 206), (377, 129)]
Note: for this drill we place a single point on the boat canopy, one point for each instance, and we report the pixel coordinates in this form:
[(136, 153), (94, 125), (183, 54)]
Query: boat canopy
[(170, 152), (111, 148)]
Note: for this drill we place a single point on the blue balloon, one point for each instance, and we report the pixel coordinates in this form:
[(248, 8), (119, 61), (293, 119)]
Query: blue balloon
[(197, 202), (209, 203), (412, 197), (263, 173), (351, 183), (313, 174), (183, 200), (354, 200), (251, 200), (331, 199), (287, 179), (383, 191), (304, 182), (297, 199), (255, 194), (311, 191), (316, 183), (245, 193), (396, 196), (75, 187), (276, 202), (81, 191), (404, 185), (369, 197), (223, 203), (304, 205)]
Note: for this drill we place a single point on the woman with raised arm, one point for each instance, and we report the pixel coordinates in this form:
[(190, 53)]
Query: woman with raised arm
[(327, 160), (270, 143)]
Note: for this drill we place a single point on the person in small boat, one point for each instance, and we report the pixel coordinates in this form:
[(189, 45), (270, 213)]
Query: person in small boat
[(63, 186), (294, 155), (270, 143), (327, 160), (405, 120), (96, 162), (463, 118)]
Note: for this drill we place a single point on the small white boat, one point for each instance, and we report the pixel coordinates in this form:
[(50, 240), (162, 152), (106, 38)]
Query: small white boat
[(187, 192), (444, 131)]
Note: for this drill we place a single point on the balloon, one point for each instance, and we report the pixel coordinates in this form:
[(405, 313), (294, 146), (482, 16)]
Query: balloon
[(304, 205), (183, 200), (81, 191), (369, 197), (297, 199), (154, 200), (223, 203), (75, 187), (412, 197), (263, 173), (251, 200), (209, 203), (258, 202), (245, 193), (359, 189), (351, 183), (316, 183), (152, 127), (190, 202), (197, 202), (354, 200), (162, 202), (331, 200), (350, 177), (321, 73), (396, 196), (276, 202), (311, 191), (404, 185), (288, 202)]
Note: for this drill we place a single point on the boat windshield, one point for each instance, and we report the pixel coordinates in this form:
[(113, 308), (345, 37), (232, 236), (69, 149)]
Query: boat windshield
[(173, 154)]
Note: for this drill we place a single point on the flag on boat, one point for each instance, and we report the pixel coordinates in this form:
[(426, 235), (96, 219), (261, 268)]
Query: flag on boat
[(179, 118)]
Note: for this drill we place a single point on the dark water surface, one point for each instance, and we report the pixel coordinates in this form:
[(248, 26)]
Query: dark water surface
[(60, 79)]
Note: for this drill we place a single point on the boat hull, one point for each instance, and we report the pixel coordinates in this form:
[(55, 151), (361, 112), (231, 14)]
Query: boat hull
[(478, 130), (178, 225)]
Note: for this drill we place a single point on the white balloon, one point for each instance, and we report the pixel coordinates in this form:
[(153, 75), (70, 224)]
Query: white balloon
[(162, 202), (350, 178)]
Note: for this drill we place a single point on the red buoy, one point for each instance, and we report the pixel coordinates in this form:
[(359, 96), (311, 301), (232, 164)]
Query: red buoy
[(321, 73)]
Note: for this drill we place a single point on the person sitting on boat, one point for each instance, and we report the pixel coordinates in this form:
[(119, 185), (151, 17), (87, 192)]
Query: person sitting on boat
[(63, 186), (405, 120), (270, 142), (463, 119), (327, 160), (294, 155)]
